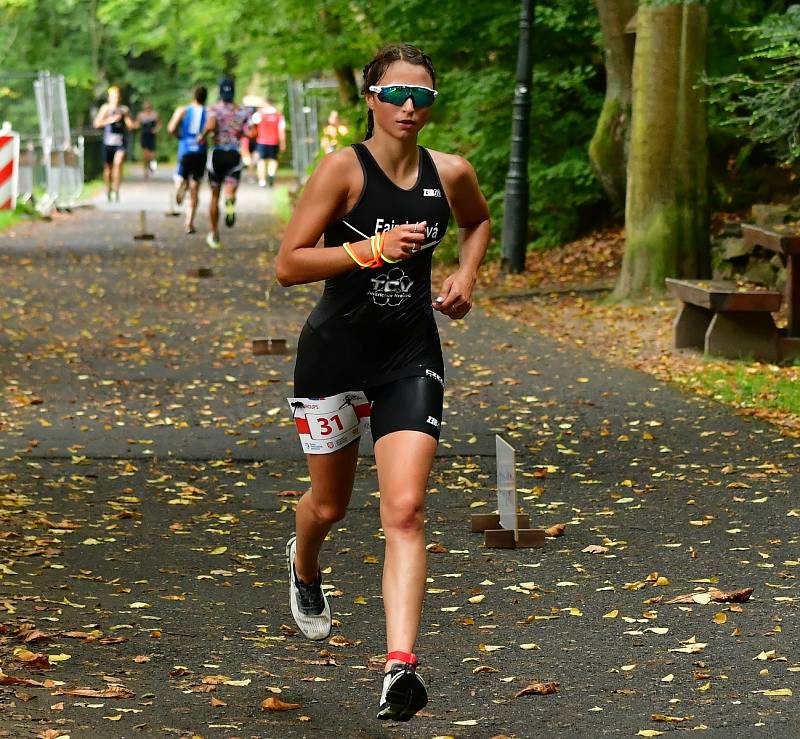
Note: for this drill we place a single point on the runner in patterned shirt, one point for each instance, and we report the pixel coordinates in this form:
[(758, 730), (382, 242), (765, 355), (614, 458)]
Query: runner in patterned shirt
[(226, 123)]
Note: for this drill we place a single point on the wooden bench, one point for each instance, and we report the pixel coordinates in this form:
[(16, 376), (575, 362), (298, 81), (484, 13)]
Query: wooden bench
[(724, 319), (785, 241)]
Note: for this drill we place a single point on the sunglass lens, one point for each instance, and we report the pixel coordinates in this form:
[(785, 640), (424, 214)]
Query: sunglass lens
[(397, 95)]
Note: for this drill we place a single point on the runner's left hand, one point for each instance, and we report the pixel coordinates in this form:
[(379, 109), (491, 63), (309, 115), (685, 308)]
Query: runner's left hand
[(455, 297)]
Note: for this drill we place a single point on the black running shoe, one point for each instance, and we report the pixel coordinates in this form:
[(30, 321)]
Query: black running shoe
[(403, 694)]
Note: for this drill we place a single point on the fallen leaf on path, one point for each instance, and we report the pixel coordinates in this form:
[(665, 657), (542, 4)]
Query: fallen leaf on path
[(538, 689), (113, 691), (275, 704), (714, 596), (555, 530)]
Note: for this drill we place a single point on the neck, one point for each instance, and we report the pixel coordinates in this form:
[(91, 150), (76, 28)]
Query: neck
[(393, 152)]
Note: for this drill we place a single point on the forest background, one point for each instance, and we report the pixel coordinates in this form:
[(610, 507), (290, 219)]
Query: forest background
[(159, 49)]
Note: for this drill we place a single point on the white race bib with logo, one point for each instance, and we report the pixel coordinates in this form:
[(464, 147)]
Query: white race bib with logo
[(328, 424)]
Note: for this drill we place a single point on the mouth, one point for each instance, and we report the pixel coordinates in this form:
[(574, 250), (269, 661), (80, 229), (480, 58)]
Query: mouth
[(406, 123)]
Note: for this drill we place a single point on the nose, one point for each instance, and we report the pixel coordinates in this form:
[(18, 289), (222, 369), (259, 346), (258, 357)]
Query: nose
[(408, 105)]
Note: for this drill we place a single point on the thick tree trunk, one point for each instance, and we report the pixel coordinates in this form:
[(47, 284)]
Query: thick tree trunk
[(607, 149), (348, 89), (666, 209)]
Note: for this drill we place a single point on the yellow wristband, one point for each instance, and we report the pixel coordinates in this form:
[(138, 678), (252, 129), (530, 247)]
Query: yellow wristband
[(385, 258), (346, 246)]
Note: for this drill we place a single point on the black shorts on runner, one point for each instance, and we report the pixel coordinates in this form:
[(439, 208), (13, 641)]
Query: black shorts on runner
[(224, 165), (268, 151), (193, 165), (408, 404), (109, 152), (148, 140)]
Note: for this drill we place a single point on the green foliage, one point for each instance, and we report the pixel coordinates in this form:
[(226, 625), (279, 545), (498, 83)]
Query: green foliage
[(762, 101)]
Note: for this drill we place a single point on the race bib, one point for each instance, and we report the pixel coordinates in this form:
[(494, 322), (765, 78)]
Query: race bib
[(327, 424)]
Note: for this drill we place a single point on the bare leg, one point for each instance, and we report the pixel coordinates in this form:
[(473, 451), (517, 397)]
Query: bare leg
[(213, 211), (404, 460), (272, 167), (107, 177), (191, 208), (116, 173), (332, 477), (262, 170)]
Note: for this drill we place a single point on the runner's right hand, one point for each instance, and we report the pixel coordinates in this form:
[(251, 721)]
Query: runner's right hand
[(403, 241)]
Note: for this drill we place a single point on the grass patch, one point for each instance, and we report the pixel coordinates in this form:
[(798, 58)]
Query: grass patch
[(283, 206), (8, 218), (751, 386)]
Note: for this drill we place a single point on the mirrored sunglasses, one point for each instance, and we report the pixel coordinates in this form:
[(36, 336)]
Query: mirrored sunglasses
[(422, 97)]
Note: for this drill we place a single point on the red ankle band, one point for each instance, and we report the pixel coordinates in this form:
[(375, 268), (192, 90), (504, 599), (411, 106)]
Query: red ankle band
[(408, 657)]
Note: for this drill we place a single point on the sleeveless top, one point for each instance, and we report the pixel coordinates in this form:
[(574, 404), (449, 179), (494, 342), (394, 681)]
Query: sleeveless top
[(192, 124), (148, 123), (377, 325), (114, 133)]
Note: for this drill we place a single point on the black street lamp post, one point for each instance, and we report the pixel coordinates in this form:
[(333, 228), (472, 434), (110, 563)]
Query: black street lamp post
[(515, 204)]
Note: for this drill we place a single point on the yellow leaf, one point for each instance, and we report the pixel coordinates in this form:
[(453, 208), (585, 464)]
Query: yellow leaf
[(720, 618), (370, 560), (612, 614), (489, 648), (649, 732), (477, 503), (139, 605), (476, 598), (668, 678), (59, 657), (219, 550), (113, 718), (628, 668), (662, 581), (779, 693), (360, 600), (529, 646), (468, 722)]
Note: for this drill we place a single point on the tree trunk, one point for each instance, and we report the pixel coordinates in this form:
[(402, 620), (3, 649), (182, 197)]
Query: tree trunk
[(666, 209), (608, 147), (348, 89)]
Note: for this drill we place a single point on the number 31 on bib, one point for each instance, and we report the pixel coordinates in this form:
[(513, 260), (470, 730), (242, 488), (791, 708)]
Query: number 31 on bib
[(327, 424)]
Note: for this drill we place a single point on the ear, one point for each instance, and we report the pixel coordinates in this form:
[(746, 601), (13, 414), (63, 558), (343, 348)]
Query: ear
[(370, 97)]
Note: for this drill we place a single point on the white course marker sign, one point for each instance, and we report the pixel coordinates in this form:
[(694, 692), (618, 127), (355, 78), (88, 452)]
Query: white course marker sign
[(506, 529)]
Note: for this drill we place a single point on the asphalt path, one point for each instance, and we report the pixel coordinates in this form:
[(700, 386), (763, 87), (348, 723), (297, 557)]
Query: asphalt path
[(149, 469)]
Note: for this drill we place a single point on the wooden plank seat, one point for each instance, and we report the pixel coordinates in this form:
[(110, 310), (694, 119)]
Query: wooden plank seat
[(726, 319)]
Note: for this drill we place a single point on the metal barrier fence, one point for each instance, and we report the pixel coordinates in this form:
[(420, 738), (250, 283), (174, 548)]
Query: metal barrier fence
[(51, 164), (304, 101)]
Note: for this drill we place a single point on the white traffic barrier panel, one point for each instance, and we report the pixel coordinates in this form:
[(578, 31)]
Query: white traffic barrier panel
[(9, 168)]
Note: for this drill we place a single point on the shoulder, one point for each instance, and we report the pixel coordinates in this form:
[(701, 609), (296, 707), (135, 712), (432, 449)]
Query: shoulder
[(341, 163), (452, 167)]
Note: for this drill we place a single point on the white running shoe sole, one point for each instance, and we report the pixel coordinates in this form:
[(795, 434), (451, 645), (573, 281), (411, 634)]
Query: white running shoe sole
[(403, 695), (315, 628)]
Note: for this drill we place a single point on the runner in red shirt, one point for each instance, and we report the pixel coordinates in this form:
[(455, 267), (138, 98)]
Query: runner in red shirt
[(270, 140)]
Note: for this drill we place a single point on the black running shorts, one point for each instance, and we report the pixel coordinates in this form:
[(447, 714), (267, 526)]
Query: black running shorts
[(109, 152), (408, 404), (224, 165), (193, 165)]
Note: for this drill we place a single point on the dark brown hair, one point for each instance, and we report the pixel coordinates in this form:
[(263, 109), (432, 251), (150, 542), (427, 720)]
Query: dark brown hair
[(377, 67), (200, 94)]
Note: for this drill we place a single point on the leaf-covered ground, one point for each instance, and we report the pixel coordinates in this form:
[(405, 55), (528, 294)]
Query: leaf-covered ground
[(563, 293), (149, 473)]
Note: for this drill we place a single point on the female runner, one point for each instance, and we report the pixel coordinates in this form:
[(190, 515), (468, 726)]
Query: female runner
[(115, 120), (372, 341)]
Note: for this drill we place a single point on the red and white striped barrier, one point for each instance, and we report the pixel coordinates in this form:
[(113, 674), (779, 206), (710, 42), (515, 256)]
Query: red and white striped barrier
[(9, 170)]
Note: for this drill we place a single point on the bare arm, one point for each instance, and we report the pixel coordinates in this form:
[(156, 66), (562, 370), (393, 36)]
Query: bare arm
[(324, 196), (210, 127), (100, 118), (474, 231), (175, 121), (129, 122)]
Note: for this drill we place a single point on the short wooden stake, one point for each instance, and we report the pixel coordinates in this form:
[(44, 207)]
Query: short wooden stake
[(143, 235), (200, 272)]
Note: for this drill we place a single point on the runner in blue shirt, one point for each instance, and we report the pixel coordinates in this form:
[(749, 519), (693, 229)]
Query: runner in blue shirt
[(187, 124)]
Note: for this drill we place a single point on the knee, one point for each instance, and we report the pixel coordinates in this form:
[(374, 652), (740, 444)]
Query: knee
[(404, 515), (330, 512)]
